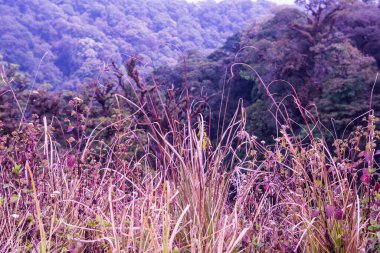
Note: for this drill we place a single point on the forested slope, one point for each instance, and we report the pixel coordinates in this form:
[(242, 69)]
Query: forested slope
[(325, 54), (78, 36)]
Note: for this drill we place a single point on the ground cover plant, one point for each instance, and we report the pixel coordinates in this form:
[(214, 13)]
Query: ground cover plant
[(157, 183)]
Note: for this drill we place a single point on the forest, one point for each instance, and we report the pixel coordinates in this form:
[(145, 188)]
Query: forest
[(74, 38), (169, 126)]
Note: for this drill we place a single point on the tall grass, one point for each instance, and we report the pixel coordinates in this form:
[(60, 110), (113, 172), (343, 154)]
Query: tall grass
[(163, 186)]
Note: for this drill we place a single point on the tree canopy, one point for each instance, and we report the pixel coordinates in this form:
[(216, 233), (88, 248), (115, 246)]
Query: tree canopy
[(69, 40), (322, 57)]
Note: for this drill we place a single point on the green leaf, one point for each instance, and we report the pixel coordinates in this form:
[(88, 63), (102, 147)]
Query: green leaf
[(92, 224), (259, 244), (29, 246), (374, 227), (17, 169), (64, 249)]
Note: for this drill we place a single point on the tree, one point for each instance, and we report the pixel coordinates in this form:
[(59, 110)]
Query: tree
[(308, 51), (347, 77), (361, 23)]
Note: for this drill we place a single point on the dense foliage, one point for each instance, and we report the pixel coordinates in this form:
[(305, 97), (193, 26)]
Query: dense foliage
[(72, 39), (326, 54)]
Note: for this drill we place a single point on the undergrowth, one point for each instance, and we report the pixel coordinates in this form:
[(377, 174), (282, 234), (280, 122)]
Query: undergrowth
[(159, 184)]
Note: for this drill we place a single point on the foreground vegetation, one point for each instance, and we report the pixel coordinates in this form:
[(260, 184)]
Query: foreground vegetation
[(163, 186)]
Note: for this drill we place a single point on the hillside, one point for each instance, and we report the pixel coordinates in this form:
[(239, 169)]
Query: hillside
[(78, 36), (325, 57)]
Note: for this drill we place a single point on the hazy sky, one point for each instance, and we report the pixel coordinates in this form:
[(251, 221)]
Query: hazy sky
[(276, 1)]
